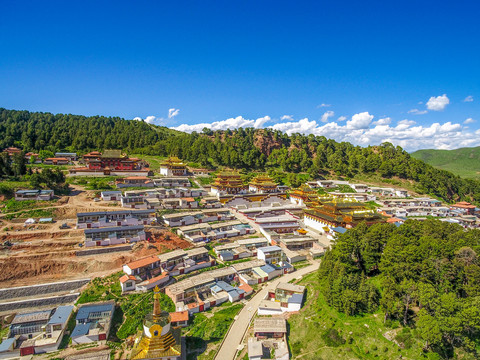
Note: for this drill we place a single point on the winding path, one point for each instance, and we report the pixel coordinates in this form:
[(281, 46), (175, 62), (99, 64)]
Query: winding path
[(234, 337)]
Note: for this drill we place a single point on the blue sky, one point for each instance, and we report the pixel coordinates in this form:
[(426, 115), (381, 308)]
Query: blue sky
[(252, 63)]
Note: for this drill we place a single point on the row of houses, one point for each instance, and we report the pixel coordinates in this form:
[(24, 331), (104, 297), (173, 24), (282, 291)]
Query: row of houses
[(100, 219), (197, 217), (359, 188), (38, 195), (162, 198), (156, 270), (146, 182), (35, 332), (205, 232)]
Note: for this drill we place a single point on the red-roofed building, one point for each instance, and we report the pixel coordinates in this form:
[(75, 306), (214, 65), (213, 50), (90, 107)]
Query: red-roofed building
[(179, 318), (159, 281), (12, 150), (56, 161), (465, 207), (127, 282), (144, 268)]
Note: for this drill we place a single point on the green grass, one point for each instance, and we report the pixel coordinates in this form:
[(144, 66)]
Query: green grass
[(153, 161), (8, 187), (13, 205), (205, 330), (320, 332), (464, 162), (37, 213), (131, 309)]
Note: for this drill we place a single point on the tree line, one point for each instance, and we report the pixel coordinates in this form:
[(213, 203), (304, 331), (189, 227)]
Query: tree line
[(251, 149), (424, 274)]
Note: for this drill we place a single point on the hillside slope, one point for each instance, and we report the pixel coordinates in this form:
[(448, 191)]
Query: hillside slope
[(291, 158), (464, 162)]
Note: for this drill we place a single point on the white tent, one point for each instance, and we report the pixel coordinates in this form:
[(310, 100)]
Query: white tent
[(29, 221)]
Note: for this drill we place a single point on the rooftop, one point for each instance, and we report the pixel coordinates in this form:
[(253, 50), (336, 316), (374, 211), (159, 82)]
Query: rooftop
[(85, 310), (61, 315), (143, 262), (290, 287), (31, 317), (270, 324)]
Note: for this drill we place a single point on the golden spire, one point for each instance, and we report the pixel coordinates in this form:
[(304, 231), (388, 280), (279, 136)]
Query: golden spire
[(157, 311)]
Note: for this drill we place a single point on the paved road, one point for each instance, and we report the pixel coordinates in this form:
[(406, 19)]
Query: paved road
[(238, 328)]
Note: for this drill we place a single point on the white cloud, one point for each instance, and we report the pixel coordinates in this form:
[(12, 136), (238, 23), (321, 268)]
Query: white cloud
[(469, 98), (287, 117), (326, 115), (438, 103), (361, 130), (417, 112), (173, 112), (342, 118), (324, 105), (469, 121), (360, 121), (149, 119), (406, 122), (383, 121), (232, 123)]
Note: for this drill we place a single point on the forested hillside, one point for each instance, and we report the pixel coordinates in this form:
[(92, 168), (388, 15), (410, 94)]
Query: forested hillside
[(424, 274), (250, 149), (464, 162), (45, 131)]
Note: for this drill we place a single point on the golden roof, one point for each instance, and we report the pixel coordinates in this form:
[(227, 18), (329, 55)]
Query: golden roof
[(153, 344), (173, 161)]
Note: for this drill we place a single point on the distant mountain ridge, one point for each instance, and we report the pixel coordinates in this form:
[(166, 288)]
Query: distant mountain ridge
[(464, 162)]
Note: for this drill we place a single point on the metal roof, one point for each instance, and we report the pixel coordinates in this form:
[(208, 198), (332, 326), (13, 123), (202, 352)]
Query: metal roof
[(6, 344), (115, 228), (84, 311), (267, 249), (61, 315), (81, 329)]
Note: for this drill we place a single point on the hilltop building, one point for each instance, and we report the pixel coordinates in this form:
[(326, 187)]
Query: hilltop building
[(173, 166), (110, 163), (159, 339), (228, 182), (12, 150), (263, 184)]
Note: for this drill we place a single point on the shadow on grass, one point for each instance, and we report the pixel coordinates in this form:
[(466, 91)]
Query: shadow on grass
[(197, 346)]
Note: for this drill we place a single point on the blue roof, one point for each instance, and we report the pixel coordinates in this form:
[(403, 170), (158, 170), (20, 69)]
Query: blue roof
[(340, 229), (267, 268), (27, 191), (271, 248), (81, 329), (224, 286), (84, 311), (295, 299), (61, 315), (216, 289), (45, 220), (5, 345)]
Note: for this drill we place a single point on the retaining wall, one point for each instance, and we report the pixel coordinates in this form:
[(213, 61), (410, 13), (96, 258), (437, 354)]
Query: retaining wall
[(41, 289)]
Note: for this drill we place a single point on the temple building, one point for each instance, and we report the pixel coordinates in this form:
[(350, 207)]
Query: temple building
[(159, 339), (302, 195), (328, 213), (173, 166), (228, 182), (113, 159), (263, 184), (110, 163)]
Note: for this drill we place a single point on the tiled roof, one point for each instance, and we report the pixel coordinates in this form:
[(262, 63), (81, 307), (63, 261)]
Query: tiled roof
[(179, 316), (143, 262)]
